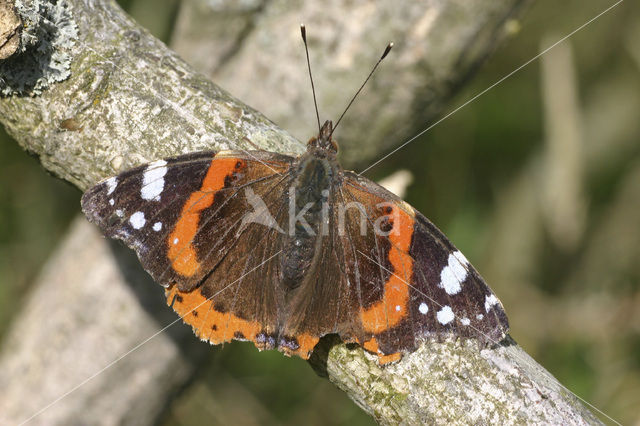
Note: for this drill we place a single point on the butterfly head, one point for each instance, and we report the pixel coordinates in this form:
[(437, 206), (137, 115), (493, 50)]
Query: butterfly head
[(324, 140)]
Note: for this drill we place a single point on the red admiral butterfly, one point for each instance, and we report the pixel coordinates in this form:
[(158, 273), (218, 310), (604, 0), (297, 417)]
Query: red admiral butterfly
[(281, 250)]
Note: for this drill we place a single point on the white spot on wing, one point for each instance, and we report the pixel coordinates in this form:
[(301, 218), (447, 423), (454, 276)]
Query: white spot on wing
[(398, 308), (175, 241), (458, 254), (153, 180), (445, 315), (479, 316), (465, 321), (111, 183), (489, 301), (119, 213), (137, 220), (157, 226), (423, 308), (454, 273), (111, 202)]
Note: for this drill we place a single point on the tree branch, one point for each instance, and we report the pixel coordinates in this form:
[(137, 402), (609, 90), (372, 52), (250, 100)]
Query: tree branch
[(128, 100)]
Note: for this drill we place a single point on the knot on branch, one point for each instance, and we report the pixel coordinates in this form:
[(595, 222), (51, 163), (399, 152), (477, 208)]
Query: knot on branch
[(38, 36)]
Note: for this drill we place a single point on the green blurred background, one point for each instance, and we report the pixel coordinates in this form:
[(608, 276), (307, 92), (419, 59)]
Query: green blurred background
[(537, 181)]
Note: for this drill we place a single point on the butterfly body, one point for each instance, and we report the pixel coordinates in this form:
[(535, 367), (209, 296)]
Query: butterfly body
[(282, 250), (314, 176)]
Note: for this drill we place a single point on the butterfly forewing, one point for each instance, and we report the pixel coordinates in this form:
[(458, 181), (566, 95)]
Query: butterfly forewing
[(184, 218), (431, 290), (239, 298)]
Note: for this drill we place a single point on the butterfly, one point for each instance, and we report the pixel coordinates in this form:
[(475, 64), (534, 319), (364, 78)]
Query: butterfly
[(282, 250)]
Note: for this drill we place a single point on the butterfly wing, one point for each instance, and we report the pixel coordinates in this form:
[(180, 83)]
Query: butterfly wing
[(186, 218), (411, 283)]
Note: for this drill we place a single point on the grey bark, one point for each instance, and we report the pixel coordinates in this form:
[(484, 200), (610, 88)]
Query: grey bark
[(128, 99), (89, 307), (253, 49)]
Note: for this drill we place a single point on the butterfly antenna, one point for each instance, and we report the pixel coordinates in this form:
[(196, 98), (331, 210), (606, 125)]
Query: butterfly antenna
[(384, 54), (303, 31)]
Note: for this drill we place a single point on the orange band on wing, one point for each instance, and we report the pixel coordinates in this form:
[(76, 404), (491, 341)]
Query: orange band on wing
[(219, 327), (182, 253), (306, 344), (209, 324), (393, 307), (372, 346)]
